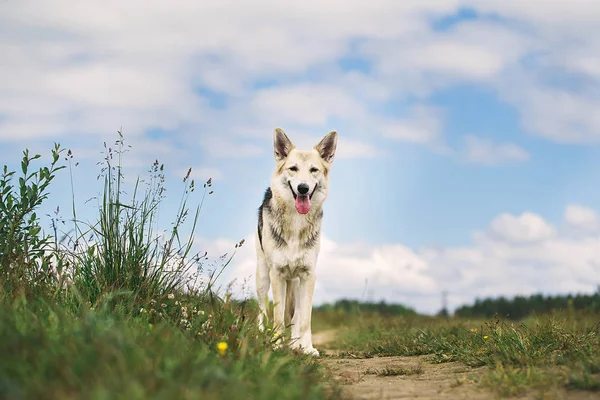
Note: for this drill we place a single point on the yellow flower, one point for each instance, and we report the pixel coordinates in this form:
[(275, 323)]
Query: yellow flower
[(222, 347), (276, 335), (485, 337), (473, 330)]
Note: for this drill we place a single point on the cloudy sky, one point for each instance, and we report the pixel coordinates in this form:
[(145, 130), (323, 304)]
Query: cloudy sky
[(468, 156)]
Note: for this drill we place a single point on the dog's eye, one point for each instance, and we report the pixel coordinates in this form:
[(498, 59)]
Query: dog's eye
[(313, 169), (294, 168)]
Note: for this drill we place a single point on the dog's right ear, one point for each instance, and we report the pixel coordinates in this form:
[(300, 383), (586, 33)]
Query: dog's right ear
[(282, 144)]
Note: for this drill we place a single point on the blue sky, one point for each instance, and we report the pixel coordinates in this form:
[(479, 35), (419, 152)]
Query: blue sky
[(468, 149)]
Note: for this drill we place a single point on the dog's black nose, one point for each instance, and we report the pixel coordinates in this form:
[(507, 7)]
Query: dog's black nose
[(303, 188)]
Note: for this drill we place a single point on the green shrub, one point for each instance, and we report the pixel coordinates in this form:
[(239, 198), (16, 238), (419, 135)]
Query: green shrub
[(25, 253)]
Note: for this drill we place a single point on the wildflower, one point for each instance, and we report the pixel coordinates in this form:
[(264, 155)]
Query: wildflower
[(186, 324), (474, 330), (184, 312), (170, 296), (485, 337), (152, 302), (142, 310), (206, 325), (176, 302), (222, 347), (163, 305)]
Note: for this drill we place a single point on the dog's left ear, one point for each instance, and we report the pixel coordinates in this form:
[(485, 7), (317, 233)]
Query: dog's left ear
[(282, 144), (327, 146)]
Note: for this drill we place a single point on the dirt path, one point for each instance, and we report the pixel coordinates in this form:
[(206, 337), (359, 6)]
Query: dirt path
[(414, 377), (409, 377)]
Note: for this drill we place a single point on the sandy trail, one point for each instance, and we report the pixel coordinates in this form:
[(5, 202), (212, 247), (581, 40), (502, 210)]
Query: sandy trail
[(434, 381), (430, 381)]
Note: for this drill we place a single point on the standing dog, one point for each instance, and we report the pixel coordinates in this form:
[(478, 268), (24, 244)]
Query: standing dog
[(288, 237)]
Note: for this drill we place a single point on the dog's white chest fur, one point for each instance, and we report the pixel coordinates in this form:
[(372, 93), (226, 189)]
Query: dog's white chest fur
[(294, 259)]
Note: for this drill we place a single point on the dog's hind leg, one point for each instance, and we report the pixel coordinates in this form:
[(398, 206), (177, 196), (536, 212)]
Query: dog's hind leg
[(278, 286), (290, 304), (263, 282)]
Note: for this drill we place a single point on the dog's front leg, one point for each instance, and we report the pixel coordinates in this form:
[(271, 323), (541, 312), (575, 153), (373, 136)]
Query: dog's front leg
[(278, 286), (305, 294), (263, 282)]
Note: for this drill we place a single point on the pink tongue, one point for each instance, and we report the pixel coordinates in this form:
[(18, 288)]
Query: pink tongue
[(303, 204)]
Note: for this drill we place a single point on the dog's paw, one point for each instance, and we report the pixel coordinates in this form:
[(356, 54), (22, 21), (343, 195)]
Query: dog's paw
[(310, 351)]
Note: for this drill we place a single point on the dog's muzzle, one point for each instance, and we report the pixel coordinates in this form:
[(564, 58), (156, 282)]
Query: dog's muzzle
[(303, 189)]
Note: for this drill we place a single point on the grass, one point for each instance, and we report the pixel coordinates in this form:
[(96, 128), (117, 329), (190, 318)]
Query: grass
[(122, 308), (394, 370), (119, 308), (49, 353), (553, 352)]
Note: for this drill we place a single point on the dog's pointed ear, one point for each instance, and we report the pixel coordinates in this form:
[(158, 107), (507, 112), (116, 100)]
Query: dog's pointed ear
[(282, 144), (327, 146)]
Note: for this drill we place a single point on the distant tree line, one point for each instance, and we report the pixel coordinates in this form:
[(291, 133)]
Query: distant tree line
[(355, 306), (521, 306)]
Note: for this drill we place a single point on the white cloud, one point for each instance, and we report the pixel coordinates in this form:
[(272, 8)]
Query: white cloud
[(226, 148), (86, 69), (91, 68), (446, 57), (521, 254), (422, 124), (349, 148), (305, 104), (419, 64), (487, 152), (554, 84), (582, 218), (554, 113), (553, 13), (524, 228)]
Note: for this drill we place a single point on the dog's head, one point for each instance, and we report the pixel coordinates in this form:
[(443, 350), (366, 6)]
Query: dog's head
[(302, 177)]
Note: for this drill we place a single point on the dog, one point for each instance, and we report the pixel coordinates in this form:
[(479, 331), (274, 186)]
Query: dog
[(288, 238)]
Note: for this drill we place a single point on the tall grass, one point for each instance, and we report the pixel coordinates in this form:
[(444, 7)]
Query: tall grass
[(113, 308), (124, 249)]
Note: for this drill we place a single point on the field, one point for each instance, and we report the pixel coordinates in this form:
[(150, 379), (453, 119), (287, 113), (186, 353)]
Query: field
[(107, 310), (549, 357)]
